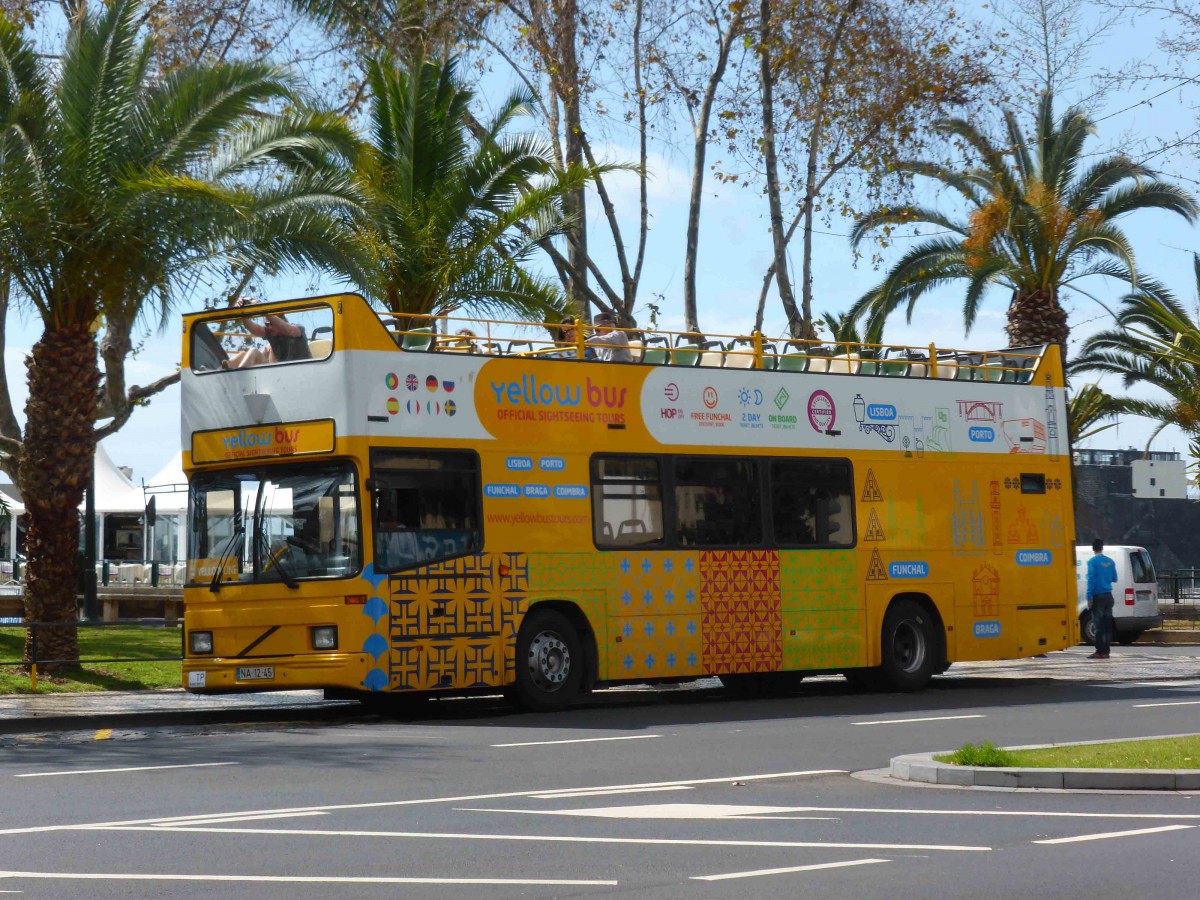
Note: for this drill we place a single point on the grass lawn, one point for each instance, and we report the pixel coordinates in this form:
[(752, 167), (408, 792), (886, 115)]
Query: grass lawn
[(99, 643), (1158, 753)]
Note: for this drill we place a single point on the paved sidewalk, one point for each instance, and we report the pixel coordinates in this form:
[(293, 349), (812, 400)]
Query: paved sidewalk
[(32, 713)]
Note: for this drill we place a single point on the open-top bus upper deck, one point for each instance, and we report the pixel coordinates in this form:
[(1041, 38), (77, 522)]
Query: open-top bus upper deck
[(366, 377)]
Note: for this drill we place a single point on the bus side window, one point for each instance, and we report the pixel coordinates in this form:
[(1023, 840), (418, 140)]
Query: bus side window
[(627, 491), (812, 502), (717, 502), (426, 507)]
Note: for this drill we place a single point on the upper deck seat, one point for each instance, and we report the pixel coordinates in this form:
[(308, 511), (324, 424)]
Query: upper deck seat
[(417, 340), (655, 351), (712, 354), (845, 364)]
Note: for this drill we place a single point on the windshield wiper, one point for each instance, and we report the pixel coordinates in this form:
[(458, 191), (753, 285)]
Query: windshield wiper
[(276, 560), (215, 585)]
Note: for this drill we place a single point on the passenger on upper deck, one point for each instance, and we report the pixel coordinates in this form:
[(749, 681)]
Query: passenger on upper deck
[(285, 341), (568, 330), (612, 345)]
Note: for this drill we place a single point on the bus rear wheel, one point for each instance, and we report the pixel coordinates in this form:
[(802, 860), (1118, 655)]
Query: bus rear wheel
[(911, 648), (550, 662)]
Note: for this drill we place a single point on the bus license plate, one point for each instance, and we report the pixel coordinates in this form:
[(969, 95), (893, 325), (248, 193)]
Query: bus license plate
[(256, 673)]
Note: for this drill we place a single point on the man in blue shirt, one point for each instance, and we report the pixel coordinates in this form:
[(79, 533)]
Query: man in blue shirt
[(1101, 574)]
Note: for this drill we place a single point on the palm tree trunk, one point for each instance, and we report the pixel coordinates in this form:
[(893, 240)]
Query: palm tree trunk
[(1037, 318), (60, 448)]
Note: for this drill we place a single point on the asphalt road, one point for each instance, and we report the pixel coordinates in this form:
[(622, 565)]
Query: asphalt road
[(654, 793)]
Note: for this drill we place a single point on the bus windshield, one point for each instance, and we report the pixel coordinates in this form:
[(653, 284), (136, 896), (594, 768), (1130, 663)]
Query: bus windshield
[(277, 524)]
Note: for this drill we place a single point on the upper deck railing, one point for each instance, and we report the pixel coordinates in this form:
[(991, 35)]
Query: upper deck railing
[(444, 334), (227, 341)]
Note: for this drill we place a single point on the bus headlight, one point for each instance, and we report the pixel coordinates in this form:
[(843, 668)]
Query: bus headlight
[(324, 637), (200, 642)]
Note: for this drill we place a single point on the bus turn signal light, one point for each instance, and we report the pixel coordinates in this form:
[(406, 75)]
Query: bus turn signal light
[(356, 600)]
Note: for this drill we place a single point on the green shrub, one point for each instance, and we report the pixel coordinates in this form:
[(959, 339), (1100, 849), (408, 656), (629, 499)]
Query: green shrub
[(986, 754)]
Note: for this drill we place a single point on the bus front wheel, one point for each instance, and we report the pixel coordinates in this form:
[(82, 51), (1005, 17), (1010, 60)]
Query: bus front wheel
[(550, 662), (911, 649)]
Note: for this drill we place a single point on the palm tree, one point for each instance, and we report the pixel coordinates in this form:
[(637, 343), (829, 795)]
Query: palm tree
[(111, 182), (1038, 222), (1090, 411), (454, 208), (1156, 342)]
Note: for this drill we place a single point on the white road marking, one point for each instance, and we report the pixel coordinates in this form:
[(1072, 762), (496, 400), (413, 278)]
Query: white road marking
[(1033, 814), (465, 798), (301, 879), (218, 820), (546, 839), (628, 737), (1184, 683), (789, 869), (646, 790), (922, 719), (1114, 834), (1174, 703), (665, 811), (655, 811), (124, 769)]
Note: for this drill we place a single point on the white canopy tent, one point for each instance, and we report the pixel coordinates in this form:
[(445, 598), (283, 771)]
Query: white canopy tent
[(120, 514), (8, 528), (168, 490)]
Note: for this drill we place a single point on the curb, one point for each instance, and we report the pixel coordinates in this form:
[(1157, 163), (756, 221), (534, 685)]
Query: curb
[(922, 768)]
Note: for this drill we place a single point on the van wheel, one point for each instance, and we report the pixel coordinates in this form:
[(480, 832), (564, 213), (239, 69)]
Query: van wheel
[(910, 648), (550, 662), (1087, 629)]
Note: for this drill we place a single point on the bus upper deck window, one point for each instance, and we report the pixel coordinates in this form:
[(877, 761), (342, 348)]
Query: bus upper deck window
[(253, 338)]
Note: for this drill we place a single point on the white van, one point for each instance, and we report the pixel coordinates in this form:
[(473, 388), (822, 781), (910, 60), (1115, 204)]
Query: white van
[(1135, 593)]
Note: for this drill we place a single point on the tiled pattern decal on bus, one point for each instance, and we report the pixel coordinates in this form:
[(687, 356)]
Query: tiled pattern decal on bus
[(451, 622), (655, 605), (823, 619), (650, 601), (741, 616)]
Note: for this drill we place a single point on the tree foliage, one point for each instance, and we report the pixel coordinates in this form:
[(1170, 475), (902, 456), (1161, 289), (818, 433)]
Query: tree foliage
[(846, 90), (450, 217), (1155, 343), (1040, 218), (112, 183)]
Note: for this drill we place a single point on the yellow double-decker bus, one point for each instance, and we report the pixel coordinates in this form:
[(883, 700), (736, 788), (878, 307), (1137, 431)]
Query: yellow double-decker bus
[(381, 505)]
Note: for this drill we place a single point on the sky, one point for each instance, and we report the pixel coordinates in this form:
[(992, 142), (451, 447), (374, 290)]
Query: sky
[(734, 255)]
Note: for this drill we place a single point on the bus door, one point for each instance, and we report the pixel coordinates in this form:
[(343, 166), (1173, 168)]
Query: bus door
[(447, 605)]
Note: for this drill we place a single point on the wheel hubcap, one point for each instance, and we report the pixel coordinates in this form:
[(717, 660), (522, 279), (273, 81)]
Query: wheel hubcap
[(549, 660), (908, 646)]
